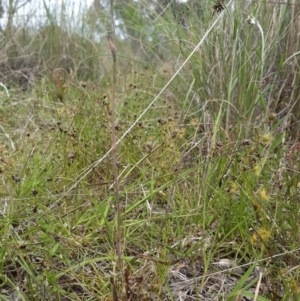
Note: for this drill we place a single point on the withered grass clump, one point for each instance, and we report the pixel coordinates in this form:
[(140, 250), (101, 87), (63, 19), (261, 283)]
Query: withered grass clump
[(218, 6)]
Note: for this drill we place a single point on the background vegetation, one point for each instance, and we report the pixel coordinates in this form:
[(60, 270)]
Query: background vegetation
[(207, 122)]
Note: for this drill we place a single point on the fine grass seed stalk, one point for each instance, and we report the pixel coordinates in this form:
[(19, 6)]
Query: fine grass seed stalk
[(112, 45)]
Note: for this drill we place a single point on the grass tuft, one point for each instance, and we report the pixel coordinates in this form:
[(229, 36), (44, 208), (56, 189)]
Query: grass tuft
[(205, 113)]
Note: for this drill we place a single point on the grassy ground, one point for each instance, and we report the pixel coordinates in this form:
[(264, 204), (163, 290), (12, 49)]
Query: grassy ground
[(208, 174)]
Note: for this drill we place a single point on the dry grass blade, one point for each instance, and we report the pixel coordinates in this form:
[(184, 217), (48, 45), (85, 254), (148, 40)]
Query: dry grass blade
[(258, 286)]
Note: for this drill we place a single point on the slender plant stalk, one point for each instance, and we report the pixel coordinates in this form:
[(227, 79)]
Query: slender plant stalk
[(111, 42)]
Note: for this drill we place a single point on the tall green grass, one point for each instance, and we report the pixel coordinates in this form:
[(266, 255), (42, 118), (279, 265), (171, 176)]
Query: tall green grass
[(207, 155)]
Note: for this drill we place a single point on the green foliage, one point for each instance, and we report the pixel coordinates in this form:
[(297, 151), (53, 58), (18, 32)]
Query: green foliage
[(208, 175)]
